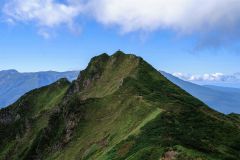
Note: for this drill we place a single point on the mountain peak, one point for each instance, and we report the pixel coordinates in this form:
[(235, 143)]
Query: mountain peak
[(106, 72), (100, 58), (119, 52)]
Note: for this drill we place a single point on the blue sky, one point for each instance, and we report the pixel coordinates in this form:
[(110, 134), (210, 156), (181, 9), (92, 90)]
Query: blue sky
[(32, 42)]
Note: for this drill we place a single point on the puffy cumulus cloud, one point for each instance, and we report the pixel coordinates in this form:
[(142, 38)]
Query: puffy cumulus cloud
[(46, 13), (182, 75), (182, 16), (215, 23), (218, 77)]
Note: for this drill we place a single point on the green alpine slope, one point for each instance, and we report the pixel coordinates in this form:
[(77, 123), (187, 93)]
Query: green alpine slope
[(120, 108), (21, 122)]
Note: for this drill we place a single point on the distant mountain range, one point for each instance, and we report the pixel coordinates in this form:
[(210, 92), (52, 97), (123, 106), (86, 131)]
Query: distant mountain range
[(222, 99), (14, 84)]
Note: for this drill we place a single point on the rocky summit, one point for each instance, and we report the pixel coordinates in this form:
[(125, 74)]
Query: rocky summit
[(119, 108)]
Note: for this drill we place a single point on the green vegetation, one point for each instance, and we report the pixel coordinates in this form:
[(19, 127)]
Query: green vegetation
[(21, 122), (120, 108)]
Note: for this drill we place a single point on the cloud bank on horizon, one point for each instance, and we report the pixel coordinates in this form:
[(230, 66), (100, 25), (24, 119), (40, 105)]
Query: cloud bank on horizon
[(214, 77), (180, 16)]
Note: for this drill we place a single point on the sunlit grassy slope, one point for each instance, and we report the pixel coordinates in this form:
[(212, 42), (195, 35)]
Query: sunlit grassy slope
[(120, 108)]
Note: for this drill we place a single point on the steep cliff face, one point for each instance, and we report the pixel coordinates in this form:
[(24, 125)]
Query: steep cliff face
[(119, 108)]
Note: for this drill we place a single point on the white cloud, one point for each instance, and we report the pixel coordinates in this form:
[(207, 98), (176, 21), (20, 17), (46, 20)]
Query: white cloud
[(217, 77), (180, 15), (182, 75), (183, 16), (46, 13)]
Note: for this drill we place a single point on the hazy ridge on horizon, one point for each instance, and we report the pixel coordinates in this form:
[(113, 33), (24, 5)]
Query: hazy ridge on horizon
[(222, 99)]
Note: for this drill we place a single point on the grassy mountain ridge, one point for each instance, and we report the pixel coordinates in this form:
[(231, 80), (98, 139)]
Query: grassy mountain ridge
[(20, 122), (122, 108), (14, 84)]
